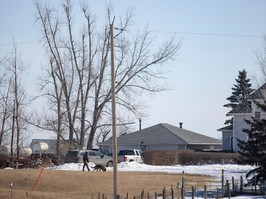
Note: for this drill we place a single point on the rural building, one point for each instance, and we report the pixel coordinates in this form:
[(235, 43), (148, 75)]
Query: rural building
[(163, 137), (50, 142), (51, 146), (244, 111)]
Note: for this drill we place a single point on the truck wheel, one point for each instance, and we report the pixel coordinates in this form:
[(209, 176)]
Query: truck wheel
[(109, 164)]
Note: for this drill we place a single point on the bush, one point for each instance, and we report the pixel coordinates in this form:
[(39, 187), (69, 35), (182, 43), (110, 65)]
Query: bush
[(160, 157), (4, 161), (188, 157)]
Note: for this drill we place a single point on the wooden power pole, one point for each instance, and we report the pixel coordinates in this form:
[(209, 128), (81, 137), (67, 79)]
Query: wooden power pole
[(113, 113)]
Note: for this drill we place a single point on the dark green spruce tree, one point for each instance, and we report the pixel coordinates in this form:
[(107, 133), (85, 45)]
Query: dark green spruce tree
[(253, 151), (240, 93)]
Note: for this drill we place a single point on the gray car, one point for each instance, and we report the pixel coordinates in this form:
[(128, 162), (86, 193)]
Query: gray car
[(76, 156)]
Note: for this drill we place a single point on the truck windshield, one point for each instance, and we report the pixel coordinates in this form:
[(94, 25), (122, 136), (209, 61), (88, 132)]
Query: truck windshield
[(126, 152)]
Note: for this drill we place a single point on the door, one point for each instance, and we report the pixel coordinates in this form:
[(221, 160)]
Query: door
[(232, 144)]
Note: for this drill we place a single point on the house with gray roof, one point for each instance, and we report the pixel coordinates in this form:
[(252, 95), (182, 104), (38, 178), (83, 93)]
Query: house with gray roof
[(244, 111), (163, 137)]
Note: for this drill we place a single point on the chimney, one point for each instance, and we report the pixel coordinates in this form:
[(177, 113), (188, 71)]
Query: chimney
[(180, 124), (140, 124)]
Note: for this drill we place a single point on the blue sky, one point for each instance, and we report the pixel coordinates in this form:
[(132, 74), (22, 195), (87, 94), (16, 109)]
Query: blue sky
[(219, 39)]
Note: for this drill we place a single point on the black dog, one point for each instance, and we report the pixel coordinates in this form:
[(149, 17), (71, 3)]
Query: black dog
[(99, 167)]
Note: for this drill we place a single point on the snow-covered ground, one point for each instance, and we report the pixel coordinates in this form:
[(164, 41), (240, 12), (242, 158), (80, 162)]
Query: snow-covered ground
[(211, 170), (214, 170)]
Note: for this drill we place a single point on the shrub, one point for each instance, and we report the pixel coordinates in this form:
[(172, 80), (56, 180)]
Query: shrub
[(3, 161), (188, 157)]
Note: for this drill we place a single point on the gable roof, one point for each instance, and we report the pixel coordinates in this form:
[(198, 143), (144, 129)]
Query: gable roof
[(163, 134), (245, 107), (190, 137), (259, 93), (226, 128)]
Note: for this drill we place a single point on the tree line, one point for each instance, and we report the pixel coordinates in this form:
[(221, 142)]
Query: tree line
[(76, 78)]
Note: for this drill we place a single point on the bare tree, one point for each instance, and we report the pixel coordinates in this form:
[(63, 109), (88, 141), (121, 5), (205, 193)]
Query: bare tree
[(5, 88), (5, 114), (13, 101), (261, 60), (81, 62), (70, 72)]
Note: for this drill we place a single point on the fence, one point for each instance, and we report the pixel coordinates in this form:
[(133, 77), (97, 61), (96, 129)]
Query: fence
[(205, 189), (192, 189)]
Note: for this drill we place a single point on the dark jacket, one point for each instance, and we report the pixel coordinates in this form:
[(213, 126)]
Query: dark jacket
[(85, 157)]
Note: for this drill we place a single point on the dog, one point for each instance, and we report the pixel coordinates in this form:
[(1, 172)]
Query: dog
[(99, 167)]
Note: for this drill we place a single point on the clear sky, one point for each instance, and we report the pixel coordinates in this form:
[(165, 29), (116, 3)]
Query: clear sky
[(219, 39)]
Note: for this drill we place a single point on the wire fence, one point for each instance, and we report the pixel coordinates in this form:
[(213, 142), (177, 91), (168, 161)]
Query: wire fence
[(219, 188)]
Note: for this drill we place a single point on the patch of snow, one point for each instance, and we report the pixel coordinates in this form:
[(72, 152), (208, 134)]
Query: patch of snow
[(214, 170)]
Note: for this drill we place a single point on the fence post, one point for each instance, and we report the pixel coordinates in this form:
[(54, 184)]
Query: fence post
[(193, 191), (172, 192), (233, 183), (222, 181), (178, 189), (142, 194), (183, 188), (205, 192), (218, 194), (228, 189), (241, 184), (164, 193), (11, 189)]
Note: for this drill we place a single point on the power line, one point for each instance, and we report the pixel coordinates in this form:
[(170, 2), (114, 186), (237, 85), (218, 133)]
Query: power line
[(165, 32), (208, 34), (18, 43)]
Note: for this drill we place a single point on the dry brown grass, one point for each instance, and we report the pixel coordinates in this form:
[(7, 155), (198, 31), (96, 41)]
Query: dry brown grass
[(80, 185)]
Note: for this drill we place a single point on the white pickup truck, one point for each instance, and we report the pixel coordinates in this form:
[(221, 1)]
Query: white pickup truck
[(130, 155)]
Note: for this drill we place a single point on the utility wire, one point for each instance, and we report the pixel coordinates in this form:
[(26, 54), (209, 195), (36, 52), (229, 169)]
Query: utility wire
[(18, 43), (209, 34), (166, 32)]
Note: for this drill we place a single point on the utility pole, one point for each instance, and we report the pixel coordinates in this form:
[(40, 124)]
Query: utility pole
[(113, 113)]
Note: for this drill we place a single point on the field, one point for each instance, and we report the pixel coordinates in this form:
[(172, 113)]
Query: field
[(54, 184)]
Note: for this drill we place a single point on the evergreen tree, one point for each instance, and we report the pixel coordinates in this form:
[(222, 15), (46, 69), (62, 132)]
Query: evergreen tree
[(253, 151), (240, 93)]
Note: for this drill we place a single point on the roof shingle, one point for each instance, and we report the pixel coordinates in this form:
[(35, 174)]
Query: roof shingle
[(163, 134)]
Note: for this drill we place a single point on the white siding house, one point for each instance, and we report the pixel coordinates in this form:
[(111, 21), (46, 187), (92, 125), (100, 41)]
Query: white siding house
[(238, 125), (227, 138), (244, 111)]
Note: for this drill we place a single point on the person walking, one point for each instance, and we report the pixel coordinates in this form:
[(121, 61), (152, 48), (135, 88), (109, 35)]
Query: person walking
[(85, 161)]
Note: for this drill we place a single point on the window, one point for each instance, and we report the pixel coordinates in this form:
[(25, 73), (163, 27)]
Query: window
[(257, 115), (92, 153)]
